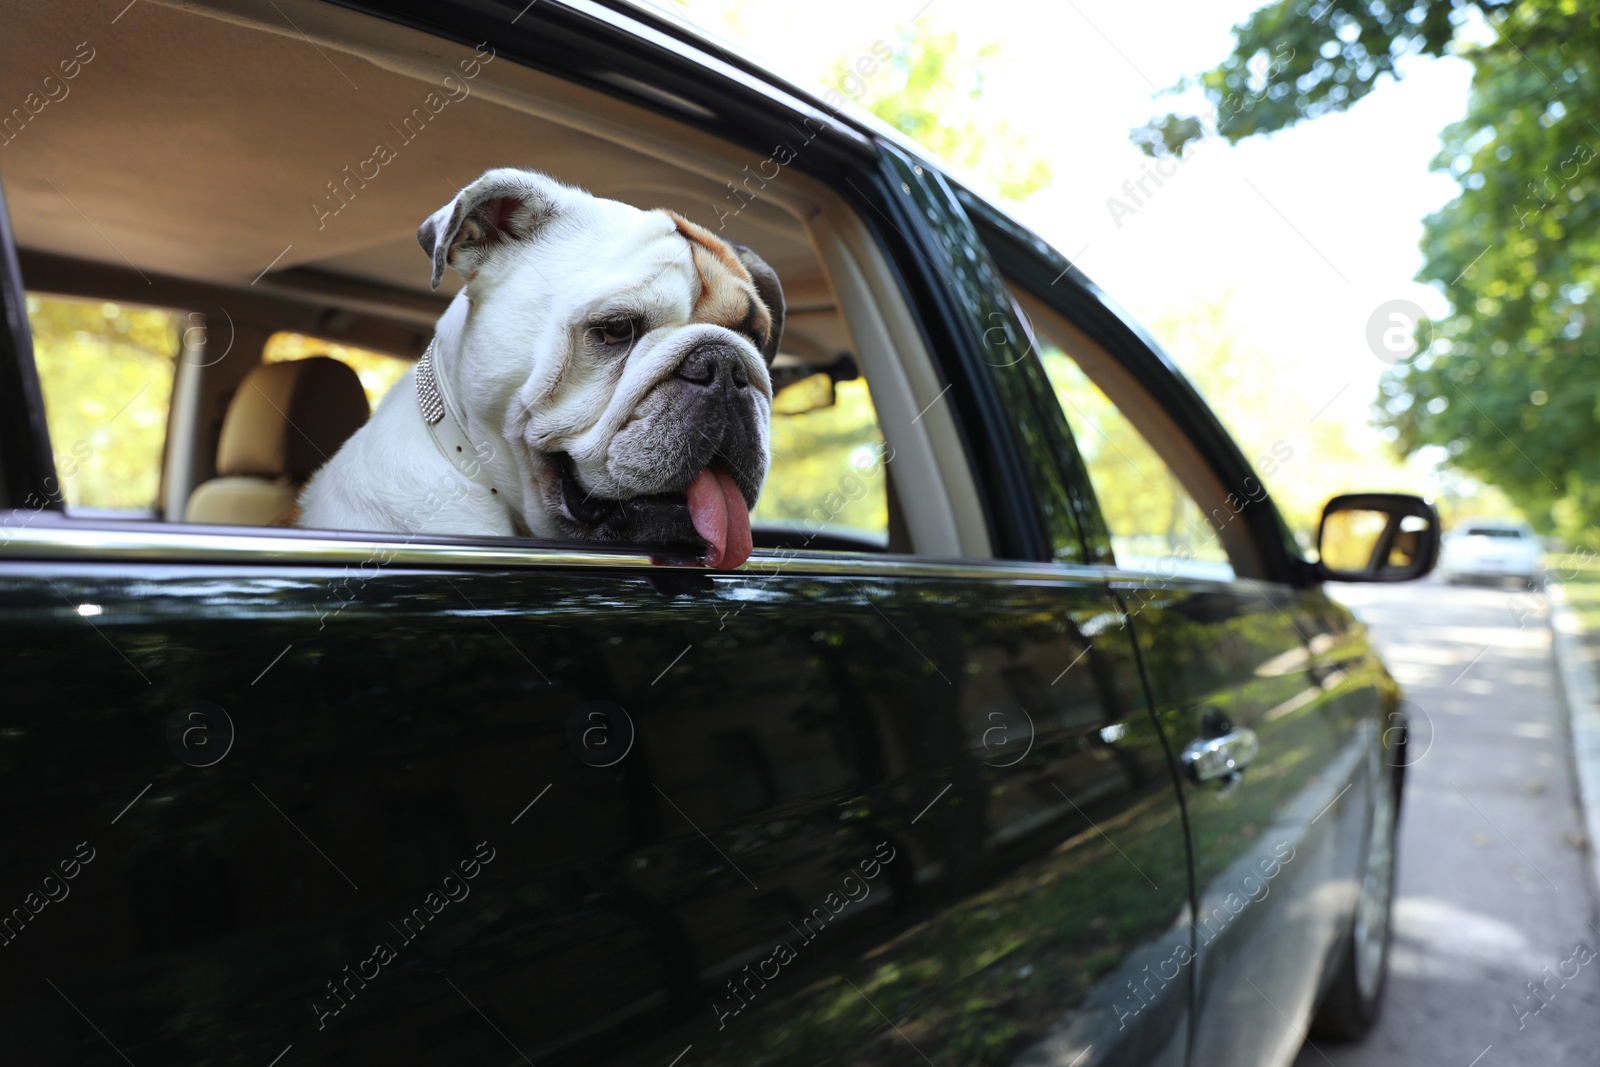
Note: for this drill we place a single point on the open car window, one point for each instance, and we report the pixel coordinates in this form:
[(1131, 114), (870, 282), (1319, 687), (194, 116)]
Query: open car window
[(324, 269)]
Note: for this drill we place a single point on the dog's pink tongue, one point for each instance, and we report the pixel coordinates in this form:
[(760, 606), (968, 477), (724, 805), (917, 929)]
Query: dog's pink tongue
[(719, 514)]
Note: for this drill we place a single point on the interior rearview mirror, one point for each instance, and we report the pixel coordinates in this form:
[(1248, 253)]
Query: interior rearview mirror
[(1377, 537), (801, 387), (808, 394)]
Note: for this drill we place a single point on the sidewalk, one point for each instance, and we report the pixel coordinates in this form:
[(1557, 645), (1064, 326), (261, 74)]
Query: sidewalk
[(1578, 662), (1492, 878)]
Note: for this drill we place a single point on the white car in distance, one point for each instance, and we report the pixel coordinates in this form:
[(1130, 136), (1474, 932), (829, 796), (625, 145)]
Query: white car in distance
[(1489, 550)]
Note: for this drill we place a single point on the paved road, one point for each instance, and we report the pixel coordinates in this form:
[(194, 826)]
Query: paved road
[(1492, 889)]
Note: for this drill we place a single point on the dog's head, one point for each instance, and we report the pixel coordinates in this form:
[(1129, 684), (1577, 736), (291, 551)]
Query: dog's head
[(619, 355)]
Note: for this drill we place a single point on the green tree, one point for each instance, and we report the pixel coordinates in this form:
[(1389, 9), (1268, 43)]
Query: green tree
[(106, 371), (1507, 383), (935, 96)]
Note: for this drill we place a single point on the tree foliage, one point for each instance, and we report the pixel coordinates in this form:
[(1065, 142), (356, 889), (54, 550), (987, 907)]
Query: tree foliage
[(1507, 383), (106, 372), (934, 96), (828, 467), (378, 371)]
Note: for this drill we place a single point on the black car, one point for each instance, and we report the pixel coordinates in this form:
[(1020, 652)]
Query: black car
[(1027, 736)]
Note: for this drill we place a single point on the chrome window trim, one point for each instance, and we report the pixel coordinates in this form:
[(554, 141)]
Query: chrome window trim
[(71, 543), (1120, 580)]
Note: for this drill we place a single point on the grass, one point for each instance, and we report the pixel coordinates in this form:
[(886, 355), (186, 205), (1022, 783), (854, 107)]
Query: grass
[(1581, 584)]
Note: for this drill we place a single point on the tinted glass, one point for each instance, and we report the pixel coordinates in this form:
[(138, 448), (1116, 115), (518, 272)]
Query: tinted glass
[(1154, 522)]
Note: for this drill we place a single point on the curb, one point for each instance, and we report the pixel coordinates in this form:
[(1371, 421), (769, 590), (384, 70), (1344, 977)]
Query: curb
[(1579, 668)]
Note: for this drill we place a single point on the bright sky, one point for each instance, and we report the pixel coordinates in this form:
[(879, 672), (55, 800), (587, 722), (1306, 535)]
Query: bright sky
[(1311, 229)]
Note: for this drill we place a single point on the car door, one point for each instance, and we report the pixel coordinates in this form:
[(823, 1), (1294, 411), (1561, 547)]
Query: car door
[(293, 796), (612, 815), (1267, 691), (1279, 684)]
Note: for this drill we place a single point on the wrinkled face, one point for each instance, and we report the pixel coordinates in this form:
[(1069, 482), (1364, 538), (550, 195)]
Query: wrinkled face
[(622, 351)]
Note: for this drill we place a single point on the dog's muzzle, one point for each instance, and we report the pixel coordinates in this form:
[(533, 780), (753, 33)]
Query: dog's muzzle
[(705, 451)]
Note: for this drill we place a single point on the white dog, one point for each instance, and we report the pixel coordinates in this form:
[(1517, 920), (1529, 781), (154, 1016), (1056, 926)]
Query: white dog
[(603, 375)]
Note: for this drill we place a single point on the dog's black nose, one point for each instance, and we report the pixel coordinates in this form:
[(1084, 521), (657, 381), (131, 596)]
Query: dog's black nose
[(708, 365)]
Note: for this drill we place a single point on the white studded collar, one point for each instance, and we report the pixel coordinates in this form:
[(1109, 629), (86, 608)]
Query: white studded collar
[(469, 457)]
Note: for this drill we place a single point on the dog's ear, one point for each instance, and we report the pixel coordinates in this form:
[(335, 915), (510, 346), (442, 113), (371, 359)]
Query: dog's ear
[(770, 290), (503, 206)]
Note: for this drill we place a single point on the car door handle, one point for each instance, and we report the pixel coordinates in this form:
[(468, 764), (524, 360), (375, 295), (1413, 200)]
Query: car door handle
[(1212, 758)]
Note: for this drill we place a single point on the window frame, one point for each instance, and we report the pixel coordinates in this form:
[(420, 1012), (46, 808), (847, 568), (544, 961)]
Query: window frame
[(1034, 267), (958, 291), (27, 466)]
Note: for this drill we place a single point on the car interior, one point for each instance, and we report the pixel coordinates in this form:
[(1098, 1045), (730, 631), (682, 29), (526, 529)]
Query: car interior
[(245, 263)]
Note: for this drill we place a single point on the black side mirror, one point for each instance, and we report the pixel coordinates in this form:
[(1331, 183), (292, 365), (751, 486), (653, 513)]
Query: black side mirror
[(1377, 537)]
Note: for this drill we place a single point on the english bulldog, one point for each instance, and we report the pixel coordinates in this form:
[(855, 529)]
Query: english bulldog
[(603, 375)]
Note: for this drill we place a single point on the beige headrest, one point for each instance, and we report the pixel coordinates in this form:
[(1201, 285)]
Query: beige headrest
[(290, 418)]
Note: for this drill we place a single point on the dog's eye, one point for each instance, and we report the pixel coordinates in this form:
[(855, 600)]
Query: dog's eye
[(615, 333)]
